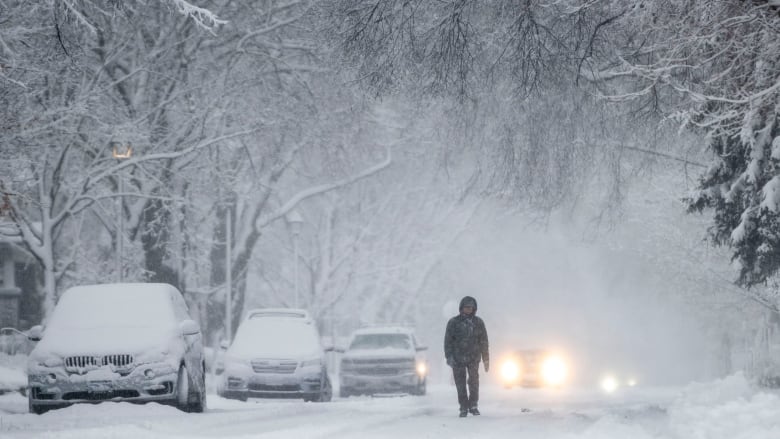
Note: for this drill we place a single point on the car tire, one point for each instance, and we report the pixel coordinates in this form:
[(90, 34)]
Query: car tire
[(199, 406), (236, 396), (324, 395), (37, 409), (183, 389), (421, 389)]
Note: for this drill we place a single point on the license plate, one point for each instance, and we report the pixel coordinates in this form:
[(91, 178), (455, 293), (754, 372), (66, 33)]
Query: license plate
[(99, 388)]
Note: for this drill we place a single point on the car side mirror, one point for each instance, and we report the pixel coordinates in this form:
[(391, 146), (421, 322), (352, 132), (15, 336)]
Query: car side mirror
[(189, 327), (224, 345), (35, 333), (421, 348)]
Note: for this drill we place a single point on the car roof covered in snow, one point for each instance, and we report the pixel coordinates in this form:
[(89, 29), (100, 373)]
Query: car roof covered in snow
[(122, 288), (114, 304), (277, 312), (384, 330)]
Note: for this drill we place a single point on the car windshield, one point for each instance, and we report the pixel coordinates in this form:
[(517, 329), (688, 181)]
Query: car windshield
[(113, 306), (381, 341), (276, 337)]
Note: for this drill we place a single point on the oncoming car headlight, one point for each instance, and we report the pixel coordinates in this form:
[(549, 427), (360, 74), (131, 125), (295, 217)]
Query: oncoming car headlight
[(609, 384), (554, 371), (422, 369), (510, 371)]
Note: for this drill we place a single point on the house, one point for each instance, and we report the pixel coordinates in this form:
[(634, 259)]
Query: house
[(19, 285)]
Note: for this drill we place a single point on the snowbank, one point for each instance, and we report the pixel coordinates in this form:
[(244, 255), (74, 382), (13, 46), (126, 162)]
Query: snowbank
[(727, 409)]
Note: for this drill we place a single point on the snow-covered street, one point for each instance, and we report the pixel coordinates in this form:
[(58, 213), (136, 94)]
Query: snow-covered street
[(725, 409)]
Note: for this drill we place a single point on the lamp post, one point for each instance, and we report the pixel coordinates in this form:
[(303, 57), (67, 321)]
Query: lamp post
[(228, 275), (295, 220), (121, 152)]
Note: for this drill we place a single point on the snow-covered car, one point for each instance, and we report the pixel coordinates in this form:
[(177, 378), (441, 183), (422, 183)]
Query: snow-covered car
[(383, 360), (120, 342), (533, 368), (219, 355), (276, 353)]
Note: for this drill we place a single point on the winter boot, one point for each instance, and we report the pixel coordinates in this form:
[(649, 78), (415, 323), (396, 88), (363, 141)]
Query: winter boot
[(474, 411), (463, 413)]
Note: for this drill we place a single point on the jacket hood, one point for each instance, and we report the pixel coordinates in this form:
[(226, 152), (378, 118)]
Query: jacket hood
[(468, 300)]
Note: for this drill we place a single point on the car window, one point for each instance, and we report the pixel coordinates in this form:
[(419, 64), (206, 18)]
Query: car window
[(99, 306), (179, 306), (276, 337), (380, 341)]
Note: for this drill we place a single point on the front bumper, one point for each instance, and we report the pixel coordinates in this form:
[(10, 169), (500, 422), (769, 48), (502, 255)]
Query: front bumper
[(55, 387), (386, 383), (272, 385)]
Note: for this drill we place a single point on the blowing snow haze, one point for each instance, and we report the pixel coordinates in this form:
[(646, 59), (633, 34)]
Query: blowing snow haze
[(607, 309), (603, 177)]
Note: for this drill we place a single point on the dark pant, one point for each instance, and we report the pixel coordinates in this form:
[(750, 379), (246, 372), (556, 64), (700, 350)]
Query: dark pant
[(470, 399)]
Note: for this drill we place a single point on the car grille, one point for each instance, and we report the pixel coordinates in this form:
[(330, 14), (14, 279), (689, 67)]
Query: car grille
[(79, 362), (381, 367), (274, 366), (82, 361), (118, 360), (257, 387)]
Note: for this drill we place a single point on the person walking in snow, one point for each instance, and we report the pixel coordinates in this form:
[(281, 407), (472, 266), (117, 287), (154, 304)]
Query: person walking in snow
[(465, 344)]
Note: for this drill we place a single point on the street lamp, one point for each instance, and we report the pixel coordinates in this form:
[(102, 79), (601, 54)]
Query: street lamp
[(295, 220), (228, 274), (121, 152)]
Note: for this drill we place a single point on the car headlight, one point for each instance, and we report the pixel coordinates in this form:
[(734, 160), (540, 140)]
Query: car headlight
[(554, 371), (510, 371), (311, 363), (53, 361), (609, 384), (631, 382), (422, 369)]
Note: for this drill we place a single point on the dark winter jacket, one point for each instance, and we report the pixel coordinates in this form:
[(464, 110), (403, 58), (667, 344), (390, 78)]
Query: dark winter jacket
[(466, 339)]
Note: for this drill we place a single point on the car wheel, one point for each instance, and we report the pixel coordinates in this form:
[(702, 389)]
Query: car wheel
[(200, 396), (37, 409), (325, 394), (237, 396), (183, 389), (421, 389)]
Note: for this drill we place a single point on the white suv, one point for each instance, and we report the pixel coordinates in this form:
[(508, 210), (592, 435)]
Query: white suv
[(276, 354), (120, 342)]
